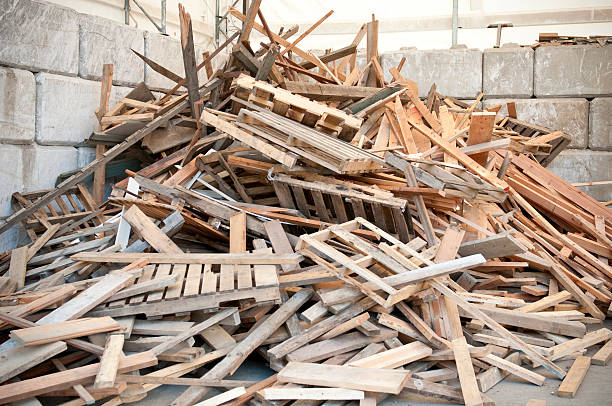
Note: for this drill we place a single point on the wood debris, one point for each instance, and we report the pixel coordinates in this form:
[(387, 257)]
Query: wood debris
[(365, 243)]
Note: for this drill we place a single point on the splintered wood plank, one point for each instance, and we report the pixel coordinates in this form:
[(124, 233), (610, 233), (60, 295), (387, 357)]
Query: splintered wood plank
[(265, 275), (312, 394), (193, 281), (109, 362), (149, 232), (465, 370), (574, 377), (174, 291), (64, 330), (17, 267), (209, 280), (163, 270), (226, 278)]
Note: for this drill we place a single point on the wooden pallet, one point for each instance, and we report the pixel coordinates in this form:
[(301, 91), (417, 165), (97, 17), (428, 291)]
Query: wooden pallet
[(298, 108), (389, 257), (341, 201), (308, 143), (532, 131), (198, 287), (75, 204)]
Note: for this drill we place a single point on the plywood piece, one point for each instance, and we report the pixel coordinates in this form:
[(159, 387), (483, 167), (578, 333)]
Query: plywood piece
[(64, 330)]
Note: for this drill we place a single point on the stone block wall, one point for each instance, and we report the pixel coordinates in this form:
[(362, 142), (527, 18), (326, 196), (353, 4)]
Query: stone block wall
[(51, 61)]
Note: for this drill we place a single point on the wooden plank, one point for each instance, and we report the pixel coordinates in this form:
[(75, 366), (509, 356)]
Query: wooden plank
[(545, 302), (603, 356), (109, 363), (465, 370), (312, 394), (395, 357), (249, 21), (189, 61), (149, 231), (100, 172), (223, 397), (497, 246), (15, 360), (161, 258), (60, 331), (17, 268), (514, 369), (574, 377)]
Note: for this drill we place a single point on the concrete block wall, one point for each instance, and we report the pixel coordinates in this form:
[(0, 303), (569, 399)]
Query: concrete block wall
[(51, 61), (566, 87)]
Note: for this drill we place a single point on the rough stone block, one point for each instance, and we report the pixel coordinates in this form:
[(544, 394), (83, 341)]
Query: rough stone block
[(12, 173), (105, 41), (39, 36), (17, 105), (578, 70), (456, 72), (585, 166), (65, 108), (167, 52), (42, 165), (507, 72), (568, 115), (600, 124)]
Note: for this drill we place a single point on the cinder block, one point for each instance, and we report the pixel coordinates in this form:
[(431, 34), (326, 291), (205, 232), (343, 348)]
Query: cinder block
[(568, 115), (17, 105), (507, 72), (578, 70), (39, 36), (105, 41), (585, 166), (167, 52), (42, 165), (65, 108), (456, 72), (12, 173), (600, 124)]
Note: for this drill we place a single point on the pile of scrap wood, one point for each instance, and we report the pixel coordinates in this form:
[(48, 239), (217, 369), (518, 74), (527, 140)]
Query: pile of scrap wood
[(363, 243), (553, 39)]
